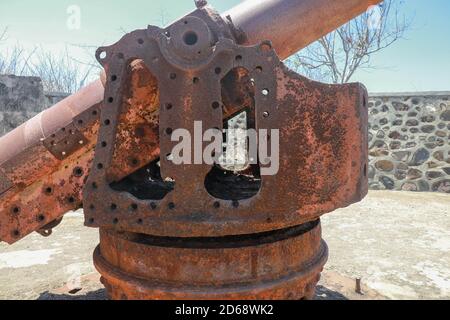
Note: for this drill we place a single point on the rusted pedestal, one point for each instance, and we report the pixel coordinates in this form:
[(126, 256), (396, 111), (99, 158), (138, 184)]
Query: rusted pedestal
[(282, 264)]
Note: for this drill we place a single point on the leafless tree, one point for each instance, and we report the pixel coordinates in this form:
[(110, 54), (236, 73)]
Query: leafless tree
[(59, 72), (337, 56)]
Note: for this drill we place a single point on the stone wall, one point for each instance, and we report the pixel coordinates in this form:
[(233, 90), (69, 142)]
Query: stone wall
[(408, 133), (21, 98), (409, 141)]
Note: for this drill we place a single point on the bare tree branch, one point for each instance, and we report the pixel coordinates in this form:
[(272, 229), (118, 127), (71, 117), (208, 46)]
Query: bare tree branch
[(337, 56)]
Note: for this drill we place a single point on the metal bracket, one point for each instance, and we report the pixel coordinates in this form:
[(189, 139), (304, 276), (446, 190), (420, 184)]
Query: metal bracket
[(65, 142)]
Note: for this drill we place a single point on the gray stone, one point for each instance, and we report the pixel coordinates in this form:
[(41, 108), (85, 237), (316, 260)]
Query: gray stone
[(400, 174), (400, 106), (428, 128), (423, 185), (431, 175), (401, 155), (442, 186), (371, 173), (383, 121), (387, 182), (414, 174), (420, 157), (395, 135), (446, 170), (412, 123), (445, 115), (409, 186), (395, 145), (428, 118), (439, 155)]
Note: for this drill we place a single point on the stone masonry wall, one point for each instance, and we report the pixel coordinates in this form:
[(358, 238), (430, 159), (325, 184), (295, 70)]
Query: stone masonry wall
[(408, 133), (21, 98), (409, 141)]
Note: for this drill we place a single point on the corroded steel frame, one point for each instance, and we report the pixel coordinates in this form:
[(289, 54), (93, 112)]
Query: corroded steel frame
[(323, 136)]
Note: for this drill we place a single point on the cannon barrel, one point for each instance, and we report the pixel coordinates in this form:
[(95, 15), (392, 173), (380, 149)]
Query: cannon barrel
[(44, 161), (290, 24)]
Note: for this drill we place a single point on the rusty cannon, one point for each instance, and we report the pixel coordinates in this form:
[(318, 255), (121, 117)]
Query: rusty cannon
[(172, 229)]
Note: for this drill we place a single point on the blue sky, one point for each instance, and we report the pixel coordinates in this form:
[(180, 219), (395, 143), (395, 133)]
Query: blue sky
[(421, 62)]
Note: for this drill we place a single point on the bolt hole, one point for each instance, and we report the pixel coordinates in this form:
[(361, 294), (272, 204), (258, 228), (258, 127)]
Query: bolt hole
[(235, 203), (116, 221), (77, 172), (217, 204), (215, 105), (173, 76), (16, 233), (48, 190), (71, 199), (134, 162), (196, 80), (141, 41), (113, 206), (91, 220), (169, 106), (140, 221), (153, 206), (15, 210), (169, 131), (238, 58), (113, 78), (259, 68), (107, 122), (218, 70), (94, 113), (171, 205), (100, 166), (110, 99), (92, 207), (41, 218), (134, 206), (94, 185), (104, 144), (80, 121), (190, 38)]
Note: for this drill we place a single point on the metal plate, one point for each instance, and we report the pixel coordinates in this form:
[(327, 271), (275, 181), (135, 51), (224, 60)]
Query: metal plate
[(323, 140)]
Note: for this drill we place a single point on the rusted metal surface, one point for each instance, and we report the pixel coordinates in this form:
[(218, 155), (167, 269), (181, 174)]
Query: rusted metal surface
[(323, 146), (26, 163), (47, 183), (276, 265), (195, 231), (291, 24)]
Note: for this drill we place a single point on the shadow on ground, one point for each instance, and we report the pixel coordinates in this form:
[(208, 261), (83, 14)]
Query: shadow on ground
[(99, 294), (322, 293)]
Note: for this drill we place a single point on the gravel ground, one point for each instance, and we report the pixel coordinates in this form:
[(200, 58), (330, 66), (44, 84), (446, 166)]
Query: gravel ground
[(397, 243)]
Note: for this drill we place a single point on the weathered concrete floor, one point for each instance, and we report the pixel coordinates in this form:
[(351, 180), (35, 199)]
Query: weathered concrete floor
[(397, 243)]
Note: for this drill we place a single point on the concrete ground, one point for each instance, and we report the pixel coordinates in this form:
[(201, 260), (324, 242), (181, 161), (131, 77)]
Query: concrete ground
[(397, 243)]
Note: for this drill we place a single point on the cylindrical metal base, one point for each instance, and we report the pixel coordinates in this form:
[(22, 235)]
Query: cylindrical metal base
[(282, 264)]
